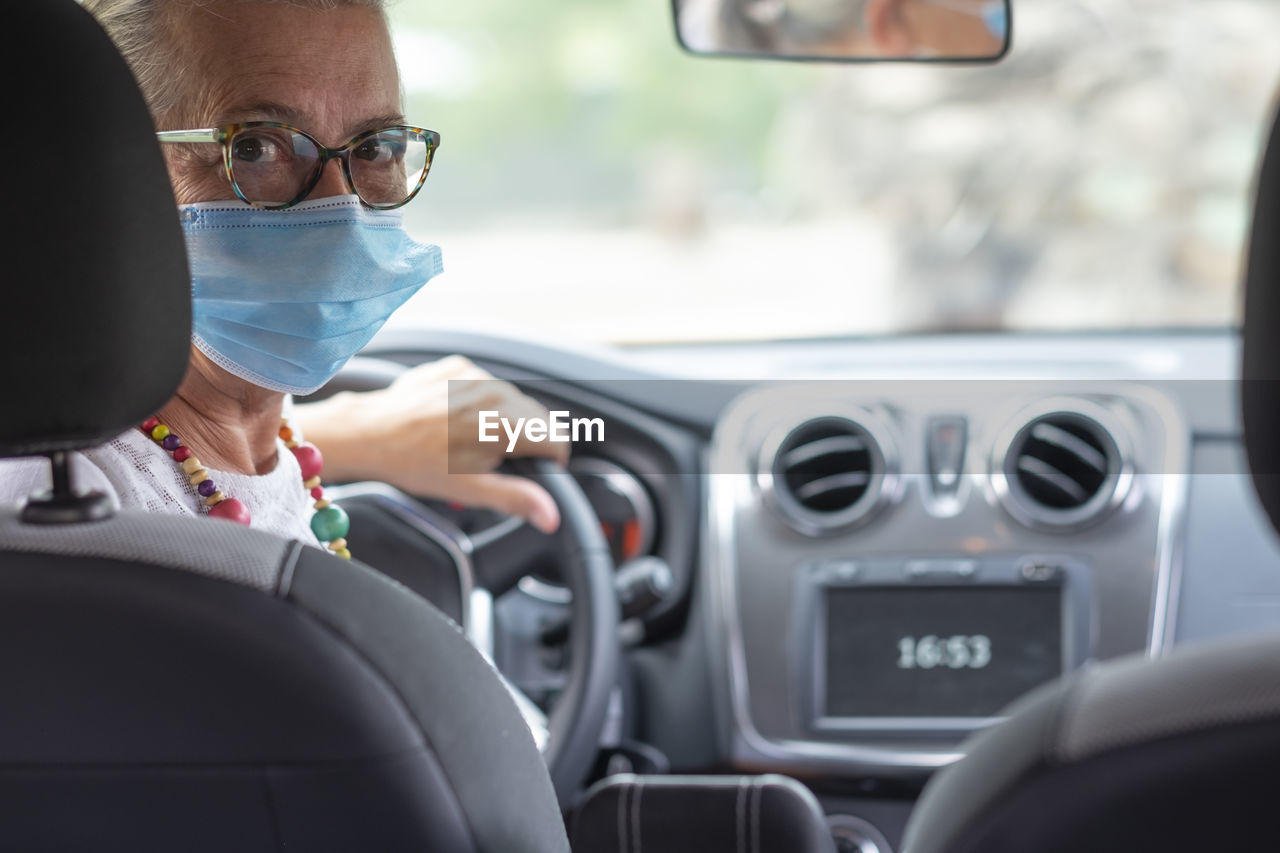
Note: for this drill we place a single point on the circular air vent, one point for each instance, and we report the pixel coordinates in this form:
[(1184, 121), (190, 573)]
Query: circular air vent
[(827, 474), (1063, 468)]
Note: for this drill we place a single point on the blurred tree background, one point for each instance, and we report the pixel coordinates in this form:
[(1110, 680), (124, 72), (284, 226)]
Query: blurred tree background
[(558, 105), (592, 175)]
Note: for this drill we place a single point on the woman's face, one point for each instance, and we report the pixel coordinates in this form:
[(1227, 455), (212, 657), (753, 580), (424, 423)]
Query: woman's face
[(330, 73)]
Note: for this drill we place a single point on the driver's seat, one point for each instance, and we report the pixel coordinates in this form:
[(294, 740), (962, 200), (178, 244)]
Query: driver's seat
[(188, 684)]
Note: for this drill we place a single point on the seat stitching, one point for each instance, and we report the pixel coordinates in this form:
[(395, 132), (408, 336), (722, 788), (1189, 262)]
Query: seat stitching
[(272, 808), (289, 562), (635, 815), (622, 817), (740, 822), (757, 790)]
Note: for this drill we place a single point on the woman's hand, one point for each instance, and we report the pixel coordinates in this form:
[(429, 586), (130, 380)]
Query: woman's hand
[(400, 435)]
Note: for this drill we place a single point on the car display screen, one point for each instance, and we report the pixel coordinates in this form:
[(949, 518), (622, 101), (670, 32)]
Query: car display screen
[(937, 651)]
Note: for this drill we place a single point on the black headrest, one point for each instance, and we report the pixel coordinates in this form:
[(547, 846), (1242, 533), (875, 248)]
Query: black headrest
[(1261, 368), (95, 314)]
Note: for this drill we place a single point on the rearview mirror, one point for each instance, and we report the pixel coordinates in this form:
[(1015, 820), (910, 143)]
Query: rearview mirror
[(846, 30)]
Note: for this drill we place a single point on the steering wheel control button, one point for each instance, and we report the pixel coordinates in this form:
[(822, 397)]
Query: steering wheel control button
[(642, 584), (946, 438)]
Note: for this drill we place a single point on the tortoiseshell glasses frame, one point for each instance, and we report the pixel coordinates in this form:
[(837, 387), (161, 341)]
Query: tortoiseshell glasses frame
[(416, 149)]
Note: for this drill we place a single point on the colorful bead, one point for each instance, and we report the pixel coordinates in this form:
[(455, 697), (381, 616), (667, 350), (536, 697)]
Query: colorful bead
[(230, 510), (330, 523), (309, 460)]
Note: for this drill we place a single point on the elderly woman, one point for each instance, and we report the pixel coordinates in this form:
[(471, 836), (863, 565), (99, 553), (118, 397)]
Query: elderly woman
[(289, 157)]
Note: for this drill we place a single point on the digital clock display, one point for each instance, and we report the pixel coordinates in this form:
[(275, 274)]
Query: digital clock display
[(954, 651)]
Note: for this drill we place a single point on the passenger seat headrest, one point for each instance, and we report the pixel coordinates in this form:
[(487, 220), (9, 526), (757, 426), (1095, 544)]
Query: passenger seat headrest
[(95, 325)]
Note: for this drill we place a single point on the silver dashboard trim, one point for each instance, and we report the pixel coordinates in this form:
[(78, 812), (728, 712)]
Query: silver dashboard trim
[(719, 573), (483, 538), (544, 591), (905, 724), (1171, 528), (719, 570), (480, 618), (1116, 487), (883, 489)]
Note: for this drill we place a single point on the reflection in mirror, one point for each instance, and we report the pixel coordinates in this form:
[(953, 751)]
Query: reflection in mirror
[(846, 30)]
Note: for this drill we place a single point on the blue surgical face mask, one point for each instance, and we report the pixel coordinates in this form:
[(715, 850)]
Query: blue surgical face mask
[(283, 299)]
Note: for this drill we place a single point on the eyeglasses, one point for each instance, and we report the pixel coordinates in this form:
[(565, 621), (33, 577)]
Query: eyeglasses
[(274, 166)]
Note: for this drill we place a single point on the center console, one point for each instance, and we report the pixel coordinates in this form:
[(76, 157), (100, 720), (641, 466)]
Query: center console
[(891, 564)]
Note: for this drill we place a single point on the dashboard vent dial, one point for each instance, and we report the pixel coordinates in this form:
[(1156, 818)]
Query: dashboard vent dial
[(1064, 468), (826, 474)]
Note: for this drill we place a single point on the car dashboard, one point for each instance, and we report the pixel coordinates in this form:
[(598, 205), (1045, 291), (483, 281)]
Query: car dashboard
[(875, 546), (897, 561)]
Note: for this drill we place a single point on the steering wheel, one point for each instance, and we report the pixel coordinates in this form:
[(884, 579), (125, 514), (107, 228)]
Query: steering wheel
[(585, 567)]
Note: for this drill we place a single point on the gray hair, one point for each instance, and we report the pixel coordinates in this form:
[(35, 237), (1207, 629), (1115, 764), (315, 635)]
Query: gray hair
[(142, 32)]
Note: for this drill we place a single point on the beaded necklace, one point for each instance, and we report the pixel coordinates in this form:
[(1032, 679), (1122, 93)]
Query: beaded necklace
[(329, 522)]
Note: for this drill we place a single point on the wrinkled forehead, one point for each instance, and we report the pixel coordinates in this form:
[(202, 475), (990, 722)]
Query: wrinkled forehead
[(331, 72)]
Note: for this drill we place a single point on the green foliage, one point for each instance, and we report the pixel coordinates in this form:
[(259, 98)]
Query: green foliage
[(568, 99)]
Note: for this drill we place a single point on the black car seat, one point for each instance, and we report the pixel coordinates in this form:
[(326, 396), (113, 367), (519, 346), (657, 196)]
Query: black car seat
[(188, 684), (1178, 755)]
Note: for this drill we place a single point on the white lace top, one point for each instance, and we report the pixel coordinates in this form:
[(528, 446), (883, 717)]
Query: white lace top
[(137, 474)]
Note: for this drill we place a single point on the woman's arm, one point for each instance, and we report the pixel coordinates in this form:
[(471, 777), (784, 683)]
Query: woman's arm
[(400, 435)]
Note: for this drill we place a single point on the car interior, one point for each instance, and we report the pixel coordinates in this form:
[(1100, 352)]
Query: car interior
[(939, 591)]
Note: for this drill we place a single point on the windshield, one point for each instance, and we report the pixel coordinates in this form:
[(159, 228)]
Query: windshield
[(596, 183)]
